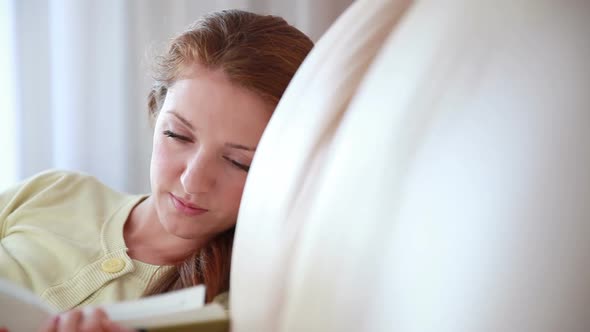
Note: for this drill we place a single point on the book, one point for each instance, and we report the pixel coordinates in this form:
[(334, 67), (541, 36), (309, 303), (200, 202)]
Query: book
[(184, 310)]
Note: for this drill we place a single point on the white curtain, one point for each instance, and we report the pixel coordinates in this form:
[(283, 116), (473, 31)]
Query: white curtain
[(82, 76)]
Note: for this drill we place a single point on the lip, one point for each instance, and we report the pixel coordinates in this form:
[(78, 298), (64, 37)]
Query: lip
[(185, 207)]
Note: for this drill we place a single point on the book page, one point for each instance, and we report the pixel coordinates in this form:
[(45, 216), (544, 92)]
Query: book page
[(209, 318), (179, 307), (21, 309), (163, 304)]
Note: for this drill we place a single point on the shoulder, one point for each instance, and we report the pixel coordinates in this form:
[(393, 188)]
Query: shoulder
[(59, 177), (54, 187), (54, 177), (60, 183)]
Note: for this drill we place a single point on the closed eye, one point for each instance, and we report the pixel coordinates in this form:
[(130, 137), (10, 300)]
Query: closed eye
[(176, 136), (238, 165)]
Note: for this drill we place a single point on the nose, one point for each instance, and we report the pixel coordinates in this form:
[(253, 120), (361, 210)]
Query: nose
[(199, 175)]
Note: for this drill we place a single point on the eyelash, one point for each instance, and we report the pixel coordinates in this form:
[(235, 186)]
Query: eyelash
[(176, 136), (181, 138), (236, 164)]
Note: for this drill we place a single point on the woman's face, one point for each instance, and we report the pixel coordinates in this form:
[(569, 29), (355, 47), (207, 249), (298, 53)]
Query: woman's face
[(205, 137)]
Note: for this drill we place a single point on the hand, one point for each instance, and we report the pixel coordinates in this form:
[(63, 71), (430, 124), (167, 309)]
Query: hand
[(78, 321)]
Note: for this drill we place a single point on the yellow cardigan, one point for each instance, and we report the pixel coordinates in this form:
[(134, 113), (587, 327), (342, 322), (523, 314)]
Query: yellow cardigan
[(61, 236)]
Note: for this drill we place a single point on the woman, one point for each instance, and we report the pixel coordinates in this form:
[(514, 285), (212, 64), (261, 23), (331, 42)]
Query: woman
[(75, 242)]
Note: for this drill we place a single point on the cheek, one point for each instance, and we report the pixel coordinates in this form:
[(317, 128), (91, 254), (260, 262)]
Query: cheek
[(162, 164), (233, 196), (158, 153)]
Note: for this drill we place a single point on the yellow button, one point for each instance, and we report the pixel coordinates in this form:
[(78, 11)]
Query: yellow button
[(113, 265)]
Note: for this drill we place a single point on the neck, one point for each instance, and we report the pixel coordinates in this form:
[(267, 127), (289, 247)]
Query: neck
[(149, 242)]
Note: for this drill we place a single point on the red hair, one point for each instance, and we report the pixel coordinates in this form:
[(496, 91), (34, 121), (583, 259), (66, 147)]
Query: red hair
[(258, 52)]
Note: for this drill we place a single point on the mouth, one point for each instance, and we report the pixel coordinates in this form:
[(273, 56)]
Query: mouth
[(185, 207)]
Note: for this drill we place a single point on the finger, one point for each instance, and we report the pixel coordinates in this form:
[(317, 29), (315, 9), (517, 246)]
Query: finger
[(49, 325), (114, 327), (92, 321), (70, 321)]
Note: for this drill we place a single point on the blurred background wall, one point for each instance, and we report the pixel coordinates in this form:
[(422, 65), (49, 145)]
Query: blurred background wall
[(74, 76)]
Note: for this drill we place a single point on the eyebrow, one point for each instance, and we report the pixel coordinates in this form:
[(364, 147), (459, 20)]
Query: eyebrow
[(183, 120)]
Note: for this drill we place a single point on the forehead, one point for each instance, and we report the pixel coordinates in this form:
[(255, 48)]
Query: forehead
[(211, 102)]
